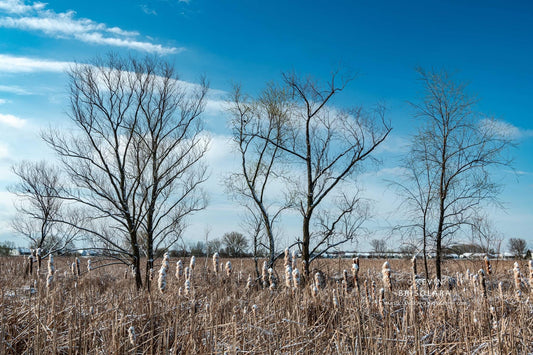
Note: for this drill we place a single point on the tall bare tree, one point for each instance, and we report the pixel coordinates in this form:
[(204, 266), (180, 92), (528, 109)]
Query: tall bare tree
[(324, 146), (260, 168), (450, 159), (171, 145), (130, 158)]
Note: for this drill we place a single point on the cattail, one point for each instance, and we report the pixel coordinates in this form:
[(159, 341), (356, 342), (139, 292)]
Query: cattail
[(73, 268), (413, 265), (381, 302), (296, 278), (162, 280), (187, 287), (530, 263), (355, 273), (287, 259), (180, 291), (192, 263), (49, 281), (188, 273), (517, 280), (335, 299), (249, 283), (500, 289), (215, 263), (179, 269), (51, 268), (229, 268), (294, 259), (386, 276), (345, 280), (319, 280), (131, 335), (288, 276), (488, 266), (271, 279), (89, 268), (483, 282), (264, 275)]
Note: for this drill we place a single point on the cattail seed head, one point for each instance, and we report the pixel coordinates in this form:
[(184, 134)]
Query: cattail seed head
[(271, 279), (381, 302), (296, 278), (249, 283), (287, 259), (294, 259), (386, 276), (188, 273), (488, 266), (288, 276), (335, 299), (192, 262), (229, 268), (320, 282), (216, 263), (264, 275), (179, 269), (517, 280)]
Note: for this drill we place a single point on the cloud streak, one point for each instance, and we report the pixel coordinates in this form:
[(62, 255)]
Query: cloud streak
[(12, 121), (13, 64), (66, 25)]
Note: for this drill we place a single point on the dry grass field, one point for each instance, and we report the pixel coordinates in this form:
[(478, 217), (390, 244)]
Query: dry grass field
[(100, 312)]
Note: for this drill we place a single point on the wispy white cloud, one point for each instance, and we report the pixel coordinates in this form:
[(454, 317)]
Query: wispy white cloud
[(18, 7), (505, 129), (13, 64), (147, 10), (12, 121), (13, 89), (66, 25), (3, 101)]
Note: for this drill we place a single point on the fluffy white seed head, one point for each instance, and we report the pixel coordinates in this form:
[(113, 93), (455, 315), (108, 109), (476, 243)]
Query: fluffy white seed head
[(131, 335)]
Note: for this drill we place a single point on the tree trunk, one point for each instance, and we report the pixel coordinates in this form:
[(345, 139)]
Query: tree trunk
[(306, 239)]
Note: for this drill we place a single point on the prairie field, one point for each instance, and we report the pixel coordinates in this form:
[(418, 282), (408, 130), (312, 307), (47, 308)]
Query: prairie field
[(233, 312)]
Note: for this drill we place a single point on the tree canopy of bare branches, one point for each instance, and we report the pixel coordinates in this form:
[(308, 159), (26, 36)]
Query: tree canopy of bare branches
[(39, 208), (321, 148), (133, 158), (448, 167)]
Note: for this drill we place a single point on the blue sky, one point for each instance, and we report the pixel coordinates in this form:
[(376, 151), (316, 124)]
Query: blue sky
[(487, 43)]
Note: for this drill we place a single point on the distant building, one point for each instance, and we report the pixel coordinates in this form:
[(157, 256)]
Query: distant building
[(20, 251)]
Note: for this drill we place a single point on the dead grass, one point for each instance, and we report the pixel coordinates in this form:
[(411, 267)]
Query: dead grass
[(93, 314)]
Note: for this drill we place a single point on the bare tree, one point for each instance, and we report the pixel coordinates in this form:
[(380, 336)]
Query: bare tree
[(170, 146), (131, 157), (39, 208), (324, 146), (518, 247), (379, 247), (236, 244), (449, 161), (253, 120)]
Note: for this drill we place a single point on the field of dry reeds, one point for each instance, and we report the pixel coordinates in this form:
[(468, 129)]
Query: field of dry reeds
[(217, 308)]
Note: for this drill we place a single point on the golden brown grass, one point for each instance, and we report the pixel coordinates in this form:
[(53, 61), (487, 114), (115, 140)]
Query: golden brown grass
[(102, 313)]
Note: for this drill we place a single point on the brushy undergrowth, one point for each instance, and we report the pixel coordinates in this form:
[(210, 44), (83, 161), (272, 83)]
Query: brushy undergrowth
[(386, 309)]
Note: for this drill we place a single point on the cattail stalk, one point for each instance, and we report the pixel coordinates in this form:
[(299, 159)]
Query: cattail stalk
[(264, 275), (488, 266), (355, 273), (517, 281), (229, 268)]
